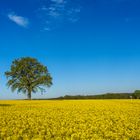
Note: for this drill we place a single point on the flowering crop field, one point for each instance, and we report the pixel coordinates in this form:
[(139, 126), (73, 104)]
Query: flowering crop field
[(70, 120)]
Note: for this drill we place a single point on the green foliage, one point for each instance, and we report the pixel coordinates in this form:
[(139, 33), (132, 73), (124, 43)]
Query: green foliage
[(27, 75), (101, 96), (136, 94)]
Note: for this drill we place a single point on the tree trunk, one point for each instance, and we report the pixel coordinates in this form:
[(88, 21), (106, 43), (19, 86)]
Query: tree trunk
[(29, 95)]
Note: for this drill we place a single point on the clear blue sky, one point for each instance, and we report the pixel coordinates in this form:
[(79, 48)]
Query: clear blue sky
[(89, 46)]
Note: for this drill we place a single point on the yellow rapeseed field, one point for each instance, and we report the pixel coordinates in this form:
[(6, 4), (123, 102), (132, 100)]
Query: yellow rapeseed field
[(70, 120)]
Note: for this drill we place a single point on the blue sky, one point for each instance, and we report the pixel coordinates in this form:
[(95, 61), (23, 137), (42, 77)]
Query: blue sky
[(89, 46)]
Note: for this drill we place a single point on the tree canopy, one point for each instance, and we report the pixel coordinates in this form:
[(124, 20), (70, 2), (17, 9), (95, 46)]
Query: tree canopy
[(28, 76), (137, 94)]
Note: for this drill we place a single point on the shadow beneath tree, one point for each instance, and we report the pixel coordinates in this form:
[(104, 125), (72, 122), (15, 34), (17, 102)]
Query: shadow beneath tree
[(4, 105)]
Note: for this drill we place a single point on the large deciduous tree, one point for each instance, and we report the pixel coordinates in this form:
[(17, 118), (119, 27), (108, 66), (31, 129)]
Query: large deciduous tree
[(29, 76), (136, 94)]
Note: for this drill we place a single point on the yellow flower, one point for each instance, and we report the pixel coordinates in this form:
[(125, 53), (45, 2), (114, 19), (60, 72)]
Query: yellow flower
[(70, 120)]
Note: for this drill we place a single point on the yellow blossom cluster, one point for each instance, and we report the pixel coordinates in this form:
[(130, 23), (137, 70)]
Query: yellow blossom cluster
[(70, 120)]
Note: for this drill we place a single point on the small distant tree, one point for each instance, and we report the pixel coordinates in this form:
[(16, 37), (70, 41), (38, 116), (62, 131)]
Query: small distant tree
[(136, 94), (28, 76)]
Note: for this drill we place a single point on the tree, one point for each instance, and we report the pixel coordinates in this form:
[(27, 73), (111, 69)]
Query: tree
[(136, 94), (29, 76)]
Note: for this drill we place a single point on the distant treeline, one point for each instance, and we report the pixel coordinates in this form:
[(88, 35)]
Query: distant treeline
[(135, 95)]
